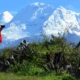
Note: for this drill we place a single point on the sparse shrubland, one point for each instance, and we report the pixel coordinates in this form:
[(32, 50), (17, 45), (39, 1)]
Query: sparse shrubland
[(56, 59)]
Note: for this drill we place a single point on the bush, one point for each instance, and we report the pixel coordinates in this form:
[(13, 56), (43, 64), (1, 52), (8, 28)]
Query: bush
[(29, 58), (25, 68)]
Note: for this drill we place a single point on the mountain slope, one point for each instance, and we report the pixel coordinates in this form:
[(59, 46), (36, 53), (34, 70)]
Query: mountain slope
[(28, 22), (61, 21), (37, 19)]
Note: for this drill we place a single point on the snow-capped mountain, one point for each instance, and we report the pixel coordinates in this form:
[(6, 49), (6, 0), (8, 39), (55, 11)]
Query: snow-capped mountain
[(37, 19), (62, 20), (5, 17), (29, 21)]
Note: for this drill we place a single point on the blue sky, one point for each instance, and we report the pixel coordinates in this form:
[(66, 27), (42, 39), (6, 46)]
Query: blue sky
[(16, 5)]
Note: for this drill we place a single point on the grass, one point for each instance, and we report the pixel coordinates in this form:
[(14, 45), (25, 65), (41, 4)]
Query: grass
[(11, 76)]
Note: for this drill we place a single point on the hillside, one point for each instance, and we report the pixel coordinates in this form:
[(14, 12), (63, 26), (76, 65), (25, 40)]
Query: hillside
[(39, 19)]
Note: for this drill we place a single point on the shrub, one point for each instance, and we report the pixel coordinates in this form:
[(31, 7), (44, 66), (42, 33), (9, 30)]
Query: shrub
[(25, 68)]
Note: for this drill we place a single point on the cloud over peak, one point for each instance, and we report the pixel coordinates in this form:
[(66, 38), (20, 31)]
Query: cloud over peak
[(38, 4), (7, 17)]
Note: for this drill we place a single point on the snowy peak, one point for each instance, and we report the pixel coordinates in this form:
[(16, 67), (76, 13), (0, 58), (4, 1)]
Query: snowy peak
[(38, 4), (5, 17), (32, 18), (61, 8), (62, 21)]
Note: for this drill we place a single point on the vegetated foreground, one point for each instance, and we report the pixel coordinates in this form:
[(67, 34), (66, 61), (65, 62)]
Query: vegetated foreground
[(11, 76), (51, 59)]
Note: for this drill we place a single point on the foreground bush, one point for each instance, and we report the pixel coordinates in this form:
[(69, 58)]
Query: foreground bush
[(25, 68), (35, 58)]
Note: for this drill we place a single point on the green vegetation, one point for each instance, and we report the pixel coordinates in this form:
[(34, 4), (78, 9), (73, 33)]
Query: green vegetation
[(11, 76), (51, 59)]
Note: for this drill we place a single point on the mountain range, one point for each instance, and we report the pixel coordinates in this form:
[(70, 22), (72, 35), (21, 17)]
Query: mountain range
[(39, 19)]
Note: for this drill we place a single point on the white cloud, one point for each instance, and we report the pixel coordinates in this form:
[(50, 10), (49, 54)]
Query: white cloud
[(15, 32), (38, 4), (6, 17)]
